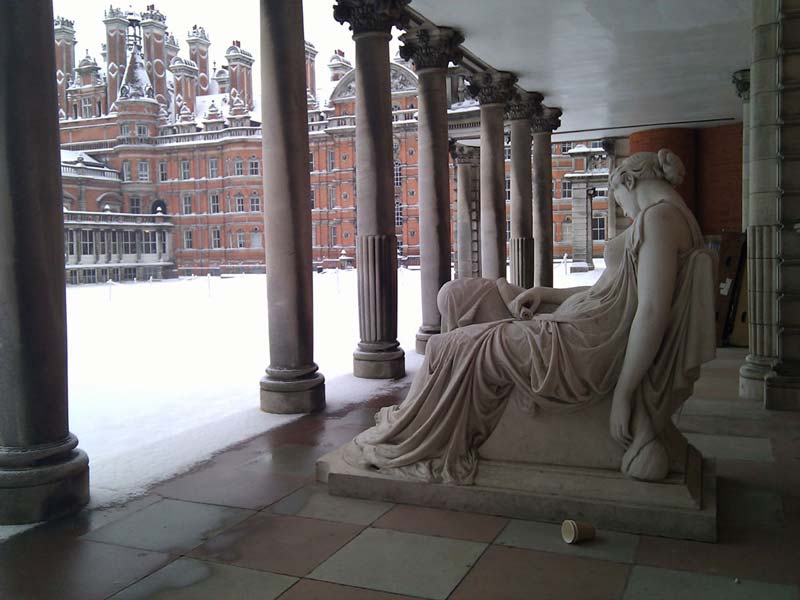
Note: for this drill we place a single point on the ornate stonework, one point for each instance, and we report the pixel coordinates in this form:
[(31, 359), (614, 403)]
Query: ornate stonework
[(431, 47), (741, 81), (526, 105), (464, 154), (400, 80), (492, 87), (365, 16), (548, 121)]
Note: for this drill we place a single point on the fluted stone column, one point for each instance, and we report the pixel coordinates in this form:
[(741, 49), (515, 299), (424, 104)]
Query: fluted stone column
[(773, 237), (493, 89), (543, 126), (378, 355), (42, 474), (466, 159), (432, 49), (741, 80), (520, 112), (293, 383)]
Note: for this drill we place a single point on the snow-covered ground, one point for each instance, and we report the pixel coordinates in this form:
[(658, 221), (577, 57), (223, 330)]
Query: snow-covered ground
[(164, 374)]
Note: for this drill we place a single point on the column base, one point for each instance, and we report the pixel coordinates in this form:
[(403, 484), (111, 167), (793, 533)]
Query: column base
[(45, 491), (379, 365), (423, 335), (781, 392), (751, 377), (293, 396), (580, 267)]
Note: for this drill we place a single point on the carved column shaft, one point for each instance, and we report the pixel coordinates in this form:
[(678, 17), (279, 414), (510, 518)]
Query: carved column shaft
[(378, 355), (42, 475), (543, 127), (431, 49), (465, 158), (292, 383)]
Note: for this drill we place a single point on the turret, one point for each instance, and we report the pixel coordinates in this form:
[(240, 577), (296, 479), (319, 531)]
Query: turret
[(238, 115), (240, 70), (198, 51), (222, 79), (185, 72), (338, 65), (116, 24), (154, 34), (64, 33), (311, 77)]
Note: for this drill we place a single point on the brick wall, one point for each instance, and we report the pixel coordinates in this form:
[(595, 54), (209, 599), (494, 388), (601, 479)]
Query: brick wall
[(719, 178)]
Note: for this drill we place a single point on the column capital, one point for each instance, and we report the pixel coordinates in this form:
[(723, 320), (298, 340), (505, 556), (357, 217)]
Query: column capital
[(365, 16), (491, 87), (524, 105), (547, 121), (741, 81), (431, 47), (464, 154)]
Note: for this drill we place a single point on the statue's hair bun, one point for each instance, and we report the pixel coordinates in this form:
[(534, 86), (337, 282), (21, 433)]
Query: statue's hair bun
[(671, 166)]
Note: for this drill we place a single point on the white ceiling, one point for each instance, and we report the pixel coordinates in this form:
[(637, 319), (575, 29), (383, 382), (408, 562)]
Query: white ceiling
[(612, 64)]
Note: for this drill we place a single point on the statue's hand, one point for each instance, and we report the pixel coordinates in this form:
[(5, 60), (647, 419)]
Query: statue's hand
[(620, 419), (525, 304)]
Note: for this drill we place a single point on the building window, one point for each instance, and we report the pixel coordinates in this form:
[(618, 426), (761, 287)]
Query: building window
[(86, 107), (70, 242), (331, 197), (75, 110), (126, 170), (89, 276), (331, 160), (213, 168), (566, 189), (252, 166), (213, 203), (142, 131), (508, 230), (313, 198), (596, 144), (188, 241), (136, 205), (398, 213), (566, 147), (239, 203), (114, 242), (102, 246), (241, 239), (185, 172), (398, 174), (187, 205), (334, 237), (256, 240), (162, 171), (238, 166), (598, 229), (87, 241), (310, 161), (163, 242), (508, 188), (507, 152), (124, 129), (149, 243), (216, 239), (255, 204), (129, 242), (566, 230), (143, 168)]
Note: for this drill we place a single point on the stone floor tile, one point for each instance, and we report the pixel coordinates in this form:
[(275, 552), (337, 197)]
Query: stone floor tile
[(230, 485), (443, 523), (70, 569), (314, 501), (649, 583), (401, 563), (608, 545), (731, 409), (746, 506), (518, 574), (280, 544), (189, 579), (297, 460), (751, 473), (171, 526), (735, 447), (308, 589)]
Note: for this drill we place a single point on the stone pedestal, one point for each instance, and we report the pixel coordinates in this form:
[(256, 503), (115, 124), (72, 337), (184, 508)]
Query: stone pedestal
[(493, 90), (42, 474), (292, 383), (581, 229), (378, 355), (543, 126), (432, 48)]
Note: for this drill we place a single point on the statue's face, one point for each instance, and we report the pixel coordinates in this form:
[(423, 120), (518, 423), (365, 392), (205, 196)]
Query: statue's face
[(625, 195)]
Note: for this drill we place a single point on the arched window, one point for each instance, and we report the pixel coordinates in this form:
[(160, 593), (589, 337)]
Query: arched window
[(238, 166), (252, 166), (239, 207), (241, 240), (255, 203)]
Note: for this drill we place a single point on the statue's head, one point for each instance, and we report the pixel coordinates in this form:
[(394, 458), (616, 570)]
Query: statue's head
[(663, 165)]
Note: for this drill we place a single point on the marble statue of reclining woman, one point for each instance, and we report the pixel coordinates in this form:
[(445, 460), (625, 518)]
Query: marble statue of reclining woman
[(638, 336)]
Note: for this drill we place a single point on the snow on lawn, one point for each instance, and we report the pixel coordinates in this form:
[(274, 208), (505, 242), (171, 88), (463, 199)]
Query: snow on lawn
[(164, 374)]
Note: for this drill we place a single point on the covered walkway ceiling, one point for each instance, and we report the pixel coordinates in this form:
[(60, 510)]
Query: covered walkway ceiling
[(612, 64)]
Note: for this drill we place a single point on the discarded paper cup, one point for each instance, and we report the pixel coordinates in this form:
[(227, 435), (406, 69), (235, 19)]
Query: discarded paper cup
[(573, 532)]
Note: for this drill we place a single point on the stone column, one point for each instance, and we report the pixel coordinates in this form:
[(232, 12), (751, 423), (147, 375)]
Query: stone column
[(741, 80), (520, 112), (581, 226), (293, 383), (493, 89), (543, 127), (42, 474), (773, 240), (610, 148), (378, 355), (466, 158), (432, 49)]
